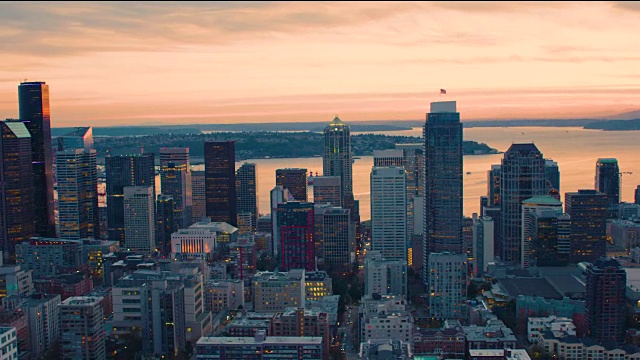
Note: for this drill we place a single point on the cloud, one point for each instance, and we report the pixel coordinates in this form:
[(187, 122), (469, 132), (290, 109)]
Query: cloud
[(627, 5)]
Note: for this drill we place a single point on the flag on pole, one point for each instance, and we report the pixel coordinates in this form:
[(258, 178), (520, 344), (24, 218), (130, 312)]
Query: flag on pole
[(443, 92)]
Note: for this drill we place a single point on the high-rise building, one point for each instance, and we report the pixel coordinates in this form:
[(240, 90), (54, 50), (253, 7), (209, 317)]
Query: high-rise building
[(295, 180), (605, 301), (637, 195), (42, 312), (165, 223), (588, 210), (139, 219), (326, 190), (16, 187), (279, 195), (552, 178), (443, 180), (247, 191), (175, 181), (530, 207), (384, 277), (413, 155), (522, 178), (295, 229), (162, 308), (77, 177), (607, 181), (483, 238), (338, 239), (389, 212), (448, 283), (33, 99), (82, 328), (550, 238), (336, 159), (199, 196), (389, 157), (220, 181), (122, 171), (80, 138)]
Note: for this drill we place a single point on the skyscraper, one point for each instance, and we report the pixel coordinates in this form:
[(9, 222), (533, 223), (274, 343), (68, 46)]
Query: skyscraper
[(198, 191), (122, 171), (220, 181), (388, 212), (605, 301), (483, 238), (443, 180), (389, 157), (447, 285), (33, 99), (326, 190), (295, 227), (522, 178), (494, 176), (338, 239), (278, 195), (552, 178), (247, 191), (139, 219), (637, 195), (607, 181), (82, 328), (175, 181), (295, 180), (336, 159), (16, 187), (165, 212), (530, 208), (550, 238), (588, 211)]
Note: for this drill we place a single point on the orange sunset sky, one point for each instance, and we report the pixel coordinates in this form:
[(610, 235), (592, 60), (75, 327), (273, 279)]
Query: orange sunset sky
[(224, 62)]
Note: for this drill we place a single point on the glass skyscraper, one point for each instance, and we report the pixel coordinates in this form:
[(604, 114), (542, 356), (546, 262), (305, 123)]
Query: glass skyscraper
[(443, 181), (336, 159), (220, 181), (295, 180), (607, 181), (175, 181), (247, 191)]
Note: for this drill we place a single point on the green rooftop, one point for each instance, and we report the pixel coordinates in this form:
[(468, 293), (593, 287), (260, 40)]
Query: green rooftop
[(543, 200)]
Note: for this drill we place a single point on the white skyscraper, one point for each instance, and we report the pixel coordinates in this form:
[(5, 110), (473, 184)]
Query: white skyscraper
[(483, 243), (447, 293), (139, 218), (389, 212)]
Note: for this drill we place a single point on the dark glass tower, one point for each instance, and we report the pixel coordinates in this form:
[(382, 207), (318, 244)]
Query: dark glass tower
[(443, 181), (33, 99), (605, 301), (16, 187), (523, 177), (295, 224), (123, 171), (588, 211), (295, 180), (552, 178), (165, 211), (220, 181), (247, 191), (336, 158), (175, 181), (608, 182)]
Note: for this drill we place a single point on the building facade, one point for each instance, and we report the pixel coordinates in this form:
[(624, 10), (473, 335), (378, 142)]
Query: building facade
[(175, 181), (296, 181), (588, 210), (295, 230), (605, 301), (389, 212), (247, 191), (82, 328), (448, 282), (220, 181), (336, 159)]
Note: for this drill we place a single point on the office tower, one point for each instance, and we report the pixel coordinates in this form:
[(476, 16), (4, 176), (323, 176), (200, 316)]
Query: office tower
[(326, 190), (77, 176), (389, 212), (162, 307), (165, 223), (608, 182), (522, 178), (530, 207), (220, 181), (605, 301), (295, 180), (279, 195), (413, 161), (549, 238), (384, 277), (338, 239), (552, 177), (33, 99), (443, 180), (122, 171), (82, 328), (637, 195), (175, 181), (16, 187), (247, 191), (139, 219), (336, 159), (199, 197), (588, 210), (295, 229), (389, 157), (483, 238), (447, 285)]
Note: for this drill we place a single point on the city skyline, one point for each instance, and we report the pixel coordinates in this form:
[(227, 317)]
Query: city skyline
[(233, 62)]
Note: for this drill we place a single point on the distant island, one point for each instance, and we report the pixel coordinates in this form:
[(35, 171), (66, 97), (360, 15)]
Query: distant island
[(256, 145)]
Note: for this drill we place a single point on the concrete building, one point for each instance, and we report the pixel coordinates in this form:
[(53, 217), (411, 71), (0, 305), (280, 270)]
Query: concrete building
[(139, 219), (448, 341), (244, 256), (384, 317), (50, 257), (260, 347), (276, 291), (194, 242), (624, 233), (15, 281), (162, 310), (384, 277), (531, 208), (388, 157), (448, 282), (605, 300), (318, 284), (498, 354), (385, 350), (389, 212), (494, 335), (302, 322), (537, 325), (43, 315), (8, 343), (483, 243), (82, 328), (225, 233), (223, 295)]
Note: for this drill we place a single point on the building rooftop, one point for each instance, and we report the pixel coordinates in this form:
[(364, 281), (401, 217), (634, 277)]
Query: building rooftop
[(269, 340), (529, 287), (336, 122), (542, 200), (81, 300)]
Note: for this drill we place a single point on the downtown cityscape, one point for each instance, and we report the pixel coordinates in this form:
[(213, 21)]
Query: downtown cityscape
[(286, 232)]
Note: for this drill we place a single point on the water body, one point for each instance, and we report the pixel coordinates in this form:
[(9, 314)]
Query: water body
[(576, 151)]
